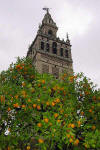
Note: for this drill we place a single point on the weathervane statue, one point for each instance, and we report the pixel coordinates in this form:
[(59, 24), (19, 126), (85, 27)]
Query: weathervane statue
[(47, 9)]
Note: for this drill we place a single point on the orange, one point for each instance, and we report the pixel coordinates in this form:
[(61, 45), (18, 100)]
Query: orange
[(90, 110), (72, 125), (76, 142), (79, 123), (58, 121), (29, 100), (69, 125), (34, 105), (16, 105), (57, 100), (47, 103), (39, 85), (43, 81), (82, 113), (55, 115), (46, 120), (9, 109), (68, 135), (23, 106), (53, 104), (39, 125), (8, 148), (41, 141), (93, 127), (38, 107)]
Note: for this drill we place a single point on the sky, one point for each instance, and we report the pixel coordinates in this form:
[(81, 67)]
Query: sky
[(19, 21)]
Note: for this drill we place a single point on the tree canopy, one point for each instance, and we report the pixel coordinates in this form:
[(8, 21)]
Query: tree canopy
[(39, 112)]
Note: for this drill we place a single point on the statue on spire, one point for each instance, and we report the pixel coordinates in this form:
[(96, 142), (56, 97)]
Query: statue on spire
[(46, 9)]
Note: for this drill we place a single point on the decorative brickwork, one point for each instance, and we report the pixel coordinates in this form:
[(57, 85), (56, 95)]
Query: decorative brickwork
[(45, 68), (55, 72)]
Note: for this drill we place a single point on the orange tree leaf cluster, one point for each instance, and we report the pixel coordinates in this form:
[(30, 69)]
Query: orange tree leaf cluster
[(38, 111)]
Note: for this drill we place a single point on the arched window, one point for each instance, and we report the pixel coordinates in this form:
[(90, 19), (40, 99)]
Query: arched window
[(47, 47), (54, 47), (50, 32), (61, 52), (42, 45), (66, 53)]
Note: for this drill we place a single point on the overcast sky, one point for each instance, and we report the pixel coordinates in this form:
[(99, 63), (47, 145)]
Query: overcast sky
[(19, 20)]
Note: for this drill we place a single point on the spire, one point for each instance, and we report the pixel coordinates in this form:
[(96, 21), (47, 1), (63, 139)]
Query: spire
[(68, 41), (47, 18)]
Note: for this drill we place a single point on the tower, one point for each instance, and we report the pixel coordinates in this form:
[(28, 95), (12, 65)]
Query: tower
[(48, 52)]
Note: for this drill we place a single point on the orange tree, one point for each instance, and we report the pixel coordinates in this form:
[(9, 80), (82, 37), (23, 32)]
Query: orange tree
[(40, 112)]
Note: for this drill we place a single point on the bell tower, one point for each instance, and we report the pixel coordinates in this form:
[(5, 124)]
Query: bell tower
[(48, 52)]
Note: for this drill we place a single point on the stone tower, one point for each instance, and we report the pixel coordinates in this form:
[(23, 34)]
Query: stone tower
[(48, 52)]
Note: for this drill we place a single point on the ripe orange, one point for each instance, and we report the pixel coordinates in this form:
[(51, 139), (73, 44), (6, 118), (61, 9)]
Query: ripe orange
[(9, 109), (39, 85), (16, 105), (79, 123), (69, 125), (93, 127), (39, 125), (29, 100), (57, 100), (34, 105), (76, 142), (72, 125), (53, 104), (68, 135), (41, 141), (82, 113), (46, 120), (43, 81), (8, 148), (58, 121), (38, 107), (55, 115), (90, 110), (47, 103), (23, 106)]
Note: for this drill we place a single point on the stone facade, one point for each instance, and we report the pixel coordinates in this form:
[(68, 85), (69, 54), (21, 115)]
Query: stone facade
[(48, 52)]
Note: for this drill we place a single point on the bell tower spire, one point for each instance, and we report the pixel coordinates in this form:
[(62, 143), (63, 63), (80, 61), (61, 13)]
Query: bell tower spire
[(48, 26)]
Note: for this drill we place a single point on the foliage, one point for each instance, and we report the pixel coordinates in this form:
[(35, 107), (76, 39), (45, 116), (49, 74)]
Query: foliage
[(40, 112)]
